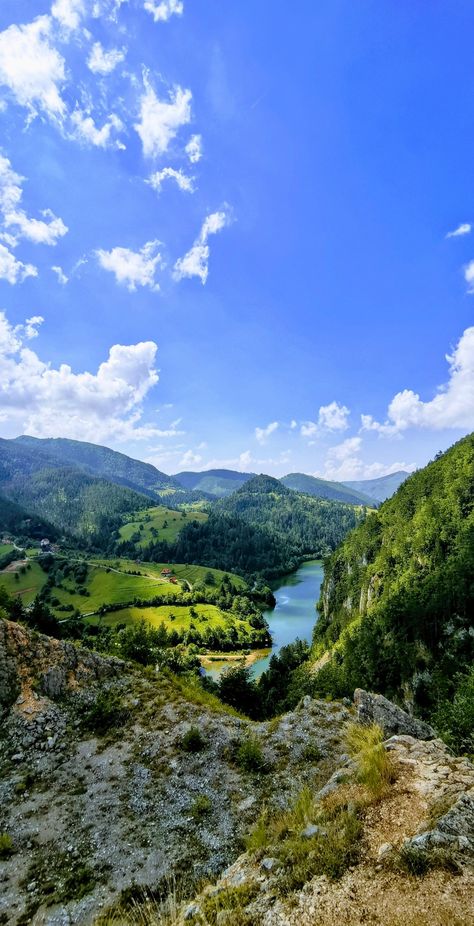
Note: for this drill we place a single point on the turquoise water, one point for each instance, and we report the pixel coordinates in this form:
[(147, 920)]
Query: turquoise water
[(295, 613), (293, 616)]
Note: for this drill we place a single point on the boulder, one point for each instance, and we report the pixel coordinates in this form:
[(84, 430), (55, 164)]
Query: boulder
[(374, 708)]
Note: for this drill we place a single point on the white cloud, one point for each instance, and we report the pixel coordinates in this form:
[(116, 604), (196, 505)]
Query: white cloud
[(452, 407), (161, 120), (332, 417), (68, 12), (469, 276), (13, 270), (344, 463), (193, 149), (169, 173), (62, 278), (262, 434), (164, 9), (39, 399), (104, 62), (196, 262), (32, 68), (190, 459), (36, 230), (348, 448), (133, 268), (87, 131), (463, 229)]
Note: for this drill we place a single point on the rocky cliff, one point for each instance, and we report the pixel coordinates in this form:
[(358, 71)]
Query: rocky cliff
[(120, 789)]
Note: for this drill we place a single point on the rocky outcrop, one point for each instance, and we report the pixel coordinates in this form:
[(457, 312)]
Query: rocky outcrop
[(374, 708), (32, 664)]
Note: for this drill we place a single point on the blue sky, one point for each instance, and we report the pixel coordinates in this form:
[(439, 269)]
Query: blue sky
[(238, 234)]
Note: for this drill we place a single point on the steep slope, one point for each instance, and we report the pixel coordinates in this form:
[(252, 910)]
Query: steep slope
[(398, 595), (108, 464), (306, 524), (23, 525), (214, 482), (70, 499), (379, 489), (321, 488)]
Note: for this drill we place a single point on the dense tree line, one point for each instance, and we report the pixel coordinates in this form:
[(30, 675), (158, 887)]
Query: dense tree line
[(398, 595)]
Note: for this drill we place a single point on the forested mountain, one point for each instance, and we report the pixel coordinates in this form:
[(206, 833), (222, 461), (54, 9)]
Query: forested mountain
[(214, 482), (66, 496), (381, 488), (23, 525), (108, 464), (397, 603), (321, 488), (308, 525)]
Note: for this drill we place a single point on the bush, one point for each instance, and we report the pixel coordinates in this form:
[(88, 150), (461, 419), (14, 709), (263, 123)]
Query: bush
[(374, 766), (192, 740), (6, 845), (106, 712), (418, 862), (201, 807), (250, 756)]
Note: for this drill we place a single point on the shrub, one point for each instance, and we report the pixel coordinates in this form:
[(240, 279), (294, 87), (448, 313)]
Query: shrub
[(106, 712), (250, 756), (193, 741), (418, 862), (374, 766), (201, 807), (6, 845)]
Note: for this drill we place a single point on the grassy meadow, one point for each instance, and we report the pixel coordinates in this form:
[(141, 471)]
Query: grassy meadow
[(158, 524), (175, 617)]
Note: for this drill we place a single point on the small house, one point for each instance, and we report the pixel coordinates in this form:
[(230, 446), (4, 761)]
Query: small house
[(166, 572)]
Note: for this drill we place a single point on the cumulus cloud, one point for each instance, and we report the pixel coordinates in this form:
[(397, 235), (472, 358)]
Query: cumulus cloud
[(104, 62), (344, 463), (86, 130), (169, 173), (262, 434), (193, 149), (452, 407), (39, 399), (62, 278), (332, 417), (469, 276), (32, 68), (160, 120), (461, 230), (162, 10), (41, 231), (196, 262), (68, 12), (190, 459), (133, 268), (13, 270)]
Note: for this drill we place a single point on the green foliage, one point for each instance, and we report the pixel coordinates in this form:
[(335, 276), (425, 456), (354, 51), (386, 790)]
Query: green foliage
[(454, 718), (107, 712), (193, 740), (201, 807), (398, 595), (418, 862), (6, 846), (249, 755), (232, 900), (374, 767)]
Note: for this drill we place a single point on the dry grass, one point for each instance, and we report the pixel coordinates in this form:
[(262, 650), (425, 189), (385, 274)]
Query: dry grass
[(374, 766)]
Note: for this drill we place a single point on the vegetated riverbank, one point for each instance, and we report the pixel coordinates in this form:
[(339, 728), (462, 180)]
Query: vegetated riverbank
[(293, 617)]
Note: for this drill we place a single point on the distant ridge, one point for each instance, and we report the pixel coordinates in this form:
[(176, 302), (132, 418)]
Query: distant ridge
[(382, 488), (321, 488), (215, 482)]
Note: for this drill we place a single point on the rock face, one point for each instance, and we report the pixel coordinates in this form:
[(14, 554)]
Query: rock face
[(33, 663), (374, 708)]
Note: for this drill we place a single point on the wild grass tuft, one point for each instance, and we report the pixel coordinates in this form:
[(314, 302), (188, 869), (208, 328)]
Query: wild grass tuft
[(374, 766)]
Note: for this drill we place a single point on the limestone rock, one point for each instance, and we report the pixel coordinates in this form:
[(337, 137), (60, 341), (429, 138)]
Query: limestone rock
[(374, 708)]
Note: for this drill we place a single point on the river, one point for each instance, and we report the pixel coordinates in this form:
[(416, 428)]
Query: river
[(293, 616)]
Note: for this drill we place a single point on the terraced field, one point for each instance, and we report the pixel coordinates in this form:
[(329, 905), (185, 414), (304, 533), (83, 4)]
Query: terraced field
[(158, 524)]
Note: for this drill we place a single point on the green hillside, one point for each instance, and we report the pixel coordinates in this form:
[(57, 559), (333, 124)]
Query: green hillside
[(108, 464), (23, 525), (397, 601), (379, 489), (214, 482), (321, 488), (157, 523)]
